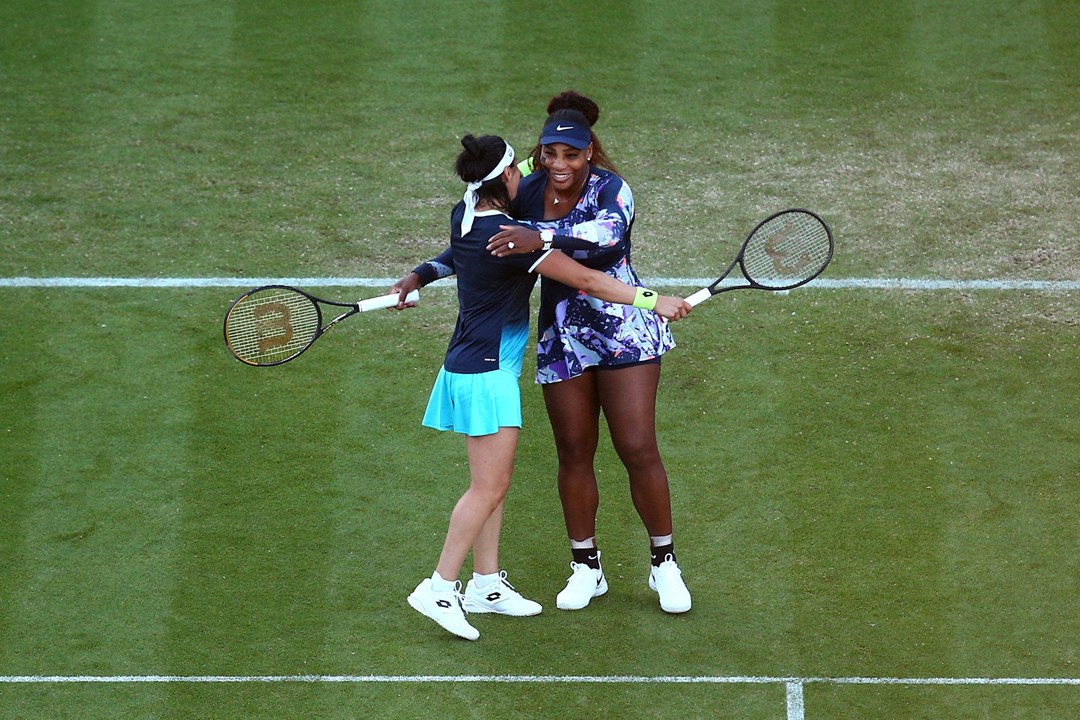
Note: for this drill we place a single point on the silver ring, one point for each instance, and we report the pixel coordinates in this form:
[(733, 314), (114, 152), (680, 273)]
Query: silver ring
[(510, 244)]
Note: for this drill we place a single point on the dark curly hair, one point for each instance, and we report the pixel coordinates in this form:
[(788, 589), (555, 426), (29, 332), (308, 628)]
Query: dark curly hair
[(573, 100)]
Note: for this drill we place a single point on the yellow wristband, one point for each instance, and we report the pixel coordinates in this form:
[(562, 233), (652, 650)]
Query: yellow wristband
[(645, 299), (526, 166)]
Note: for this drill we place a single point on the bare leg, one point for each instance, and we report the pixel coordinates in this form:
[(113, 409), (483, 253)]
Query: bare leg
[(574, 411), (486, 547), (628, 398), (491, 464)]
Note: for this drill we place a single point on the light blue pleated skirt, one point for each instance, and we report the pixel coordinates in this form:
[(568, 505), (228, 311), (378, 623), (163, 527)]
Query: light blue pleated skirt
[(474, 403)]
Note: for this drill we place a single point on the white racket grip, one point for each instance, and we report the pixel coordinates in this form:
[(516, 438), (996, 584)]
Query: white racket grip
[(698, 297), (386, 301)]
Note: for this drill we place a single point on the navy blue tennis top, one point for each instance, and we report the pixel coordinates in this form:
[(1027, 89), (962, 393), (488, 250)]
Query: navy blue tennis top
[(493, 298)]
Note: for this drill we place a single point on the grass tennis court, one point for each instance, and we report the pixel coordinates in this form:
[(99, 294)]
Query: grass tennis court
[(875, 489)]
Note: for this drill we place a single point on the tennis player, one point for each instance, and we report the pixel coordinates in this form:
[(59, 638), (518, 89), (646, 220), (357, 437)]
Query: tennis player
[(593, 355), (476, 392)]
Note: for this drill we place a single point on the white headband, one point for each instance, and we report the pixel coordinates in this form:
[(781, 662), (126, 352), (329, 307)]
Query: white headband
[(470, 192)]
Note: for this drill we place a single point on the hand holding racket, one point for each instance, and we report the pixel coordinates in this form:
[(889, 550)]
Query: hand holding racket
[(273, 324), (784, 251)]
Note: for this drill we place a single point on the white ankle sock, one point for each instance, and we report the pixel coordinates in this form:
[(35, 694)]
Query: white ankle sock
[(438, 584), (482, 581)]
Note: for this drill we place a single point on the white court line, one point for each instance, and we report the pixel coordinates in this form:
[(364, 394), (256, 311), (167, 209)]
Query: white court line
[(542, 679), (383, 283), (795, 707), (793, 686)]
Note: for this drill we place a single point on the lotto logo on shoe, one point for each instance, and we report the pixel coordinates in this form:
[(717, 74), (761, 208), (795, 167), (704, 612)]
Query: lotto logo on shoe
[(498, 597), (444, 604)]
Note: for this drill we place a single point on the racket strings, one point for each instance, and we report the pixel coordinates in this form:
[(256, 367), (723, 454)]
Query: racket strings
[(787, 250), (272, 325)]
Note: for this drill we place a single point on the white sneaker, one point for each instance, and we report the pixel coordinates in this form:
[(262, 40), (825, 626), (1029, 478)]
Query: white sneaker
[(581, 587), (666, 580), (444, 608), (499, 597)]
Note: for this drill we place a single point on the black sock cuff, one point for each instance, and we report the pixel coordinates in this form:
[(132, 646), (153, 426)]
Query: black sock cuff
[(660, 553), (587, 556)]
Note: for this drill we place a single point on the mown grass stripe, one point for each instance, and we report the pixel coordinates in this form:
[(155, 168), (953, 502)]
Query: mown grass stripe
[(542, 679), (375, 282)]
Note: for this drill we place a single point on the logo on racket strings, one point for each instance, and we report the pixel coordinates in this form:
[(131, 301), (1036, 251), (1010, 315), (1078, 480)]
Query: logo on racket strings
[(785, 261), (272, 325)]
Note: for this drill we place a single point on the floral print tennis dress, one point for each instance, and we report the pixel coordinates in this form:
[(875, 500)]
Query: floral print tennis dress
[(576, 331)]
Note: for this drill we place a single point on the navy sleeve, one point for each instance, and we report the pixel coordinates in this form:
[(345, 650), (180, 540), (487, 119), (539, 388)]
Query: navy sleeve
[(436, 268)]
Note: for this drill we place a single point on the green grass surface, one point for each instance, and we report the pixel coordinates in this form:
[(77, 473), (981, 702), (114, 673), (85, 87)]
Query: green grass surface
[(866, 483)]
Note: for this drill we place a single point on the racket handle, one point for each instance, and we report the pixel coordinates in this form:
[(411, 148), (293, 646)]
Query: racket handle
[(386, 301), (698, 297)]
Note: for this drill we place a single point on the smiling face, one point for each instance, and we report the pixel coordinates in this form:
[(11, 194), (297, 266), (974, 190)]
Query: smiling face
[(566, 166)]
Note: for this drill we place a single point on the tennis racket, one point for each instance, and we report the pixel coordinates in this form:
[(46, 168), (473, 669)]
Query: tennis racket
[(787, 249), (274, 324)]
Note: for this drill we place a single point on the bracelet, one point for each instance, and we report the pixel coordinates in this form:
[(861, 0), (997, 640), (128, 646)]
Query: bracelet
[(645, 299)]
